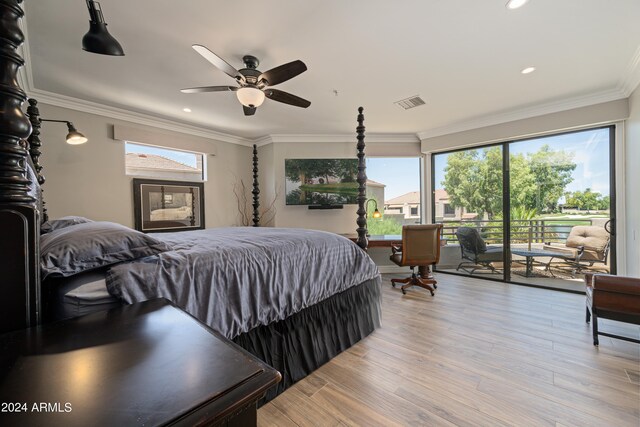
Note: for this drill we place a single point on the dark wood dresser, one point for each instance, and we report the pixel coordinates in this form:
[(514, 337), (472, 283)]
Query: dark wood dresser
[(145, 364)]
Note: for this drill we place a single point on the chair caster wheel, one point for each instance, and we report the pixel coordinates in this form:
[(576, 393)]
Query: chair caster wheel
[(404, 292), (435, 286), (432, 294), (393, 285)]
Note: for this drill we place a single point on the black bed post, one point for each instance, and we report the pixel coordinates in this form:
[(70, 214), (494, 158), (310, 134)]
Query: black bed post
[(256, 190), (34, 147), (19, 285), (362, 184)]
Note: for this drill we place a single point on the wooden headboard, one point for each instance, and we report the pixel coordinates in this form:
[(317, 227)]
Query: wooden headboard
[(19, 217)]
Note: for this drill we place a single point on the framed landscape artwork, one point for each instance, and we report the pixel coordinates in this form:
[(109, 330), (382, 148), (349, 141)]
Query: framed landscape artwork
[(168, 205)]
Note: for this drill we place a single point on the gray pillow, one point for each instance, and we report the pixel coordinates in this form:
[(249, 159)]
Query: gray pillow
[(83, 247), (65, 221)]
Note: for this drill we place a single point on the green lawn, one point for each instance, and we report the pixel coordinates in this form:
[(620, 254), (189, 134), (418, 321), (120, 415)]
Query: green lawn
[(343, 188)]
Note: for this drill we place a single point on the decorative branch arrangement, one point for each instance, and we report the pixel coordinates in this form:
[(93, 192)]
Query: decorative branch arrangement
[(246, 210)]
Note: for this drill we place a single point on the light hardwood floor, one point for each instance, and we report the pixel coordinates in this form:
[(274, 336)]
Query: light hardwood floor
[(479, 353)]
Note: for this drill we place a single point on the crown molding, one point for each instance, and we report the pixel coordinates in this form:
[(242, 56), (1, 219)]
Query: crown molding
[(390, 138), (631, 80), (526, 113), (263, 140), (133, 117)]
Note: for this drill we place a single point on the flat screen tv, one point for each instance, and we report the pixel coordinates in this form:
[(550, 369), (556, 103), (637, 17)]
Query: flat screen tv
[(324, 182)]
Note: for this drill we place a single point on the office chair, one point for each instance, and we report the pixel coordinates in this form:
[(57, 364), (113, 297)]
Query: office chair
[(420, 248)]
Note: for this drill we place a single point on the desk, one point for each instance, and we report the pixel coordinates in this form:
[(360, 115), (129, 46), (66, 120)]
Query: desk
[(386, 241), (379, 240), (144, 364)]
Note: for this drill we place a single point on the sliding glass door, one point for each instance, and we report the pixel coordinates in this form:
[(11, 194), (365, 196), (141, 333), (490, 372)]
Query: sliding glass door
[(560, 195), (539, 211), (468, 200)]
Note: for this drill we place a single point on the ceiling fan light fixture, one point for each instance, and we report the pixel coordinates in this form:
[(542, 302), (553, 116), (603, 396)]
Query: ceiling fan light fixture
[(98, 40), (250, 96)]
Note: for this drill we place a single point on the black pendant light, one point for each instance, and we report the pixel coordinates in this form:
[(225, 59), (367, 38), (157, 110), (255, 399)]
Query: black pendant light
[(98, 39)]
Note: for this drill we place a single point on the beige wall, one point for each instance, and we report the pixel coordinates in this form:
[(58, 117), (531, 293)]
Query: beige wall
[(272, 159), (632, 185), (89, 180)]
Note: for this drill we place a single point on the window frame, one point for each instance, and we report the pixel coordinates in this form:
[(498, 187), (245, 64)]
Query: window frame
[(168, 176)]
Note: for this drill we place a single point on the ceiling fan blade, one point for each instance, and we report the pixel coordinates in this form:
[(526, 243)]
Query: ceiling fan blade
[(218, 62), (209, 89), (249, 111), (282, 73), (287, 98)]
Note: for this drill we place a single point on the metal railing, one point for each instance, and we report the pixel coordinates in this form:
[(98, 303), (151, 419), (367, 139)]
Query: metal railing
[(522, 231)]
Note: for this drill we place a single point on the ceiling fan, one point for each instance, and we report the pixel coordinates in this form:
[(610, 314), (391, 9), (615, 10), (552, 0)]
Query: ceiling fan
[(254, 85)]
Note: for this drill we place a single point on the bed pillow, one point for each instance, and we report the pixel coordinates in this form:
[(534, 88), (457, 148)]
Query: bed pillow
[(83, 247), (65, 221)]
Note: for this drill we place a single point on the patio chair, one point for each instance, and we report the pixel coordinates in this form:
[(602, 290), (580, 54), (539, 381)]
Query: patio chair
[(475, 251), (586, 248)]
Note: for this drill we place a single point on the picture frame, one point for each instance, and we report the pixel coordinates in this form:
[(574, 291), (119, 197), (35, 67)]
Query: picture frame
[(162, 205)]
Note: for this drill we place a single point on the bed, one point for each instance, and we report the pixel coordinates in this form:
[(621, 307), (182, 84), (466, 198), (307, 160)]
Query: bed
[(295, 339), (293, 297)]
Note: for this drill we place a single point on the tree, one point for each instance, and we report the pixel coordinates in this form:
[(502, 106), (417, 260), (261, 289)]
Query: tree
[(587, 200), (553, 172), (465, 180), (473, 179)]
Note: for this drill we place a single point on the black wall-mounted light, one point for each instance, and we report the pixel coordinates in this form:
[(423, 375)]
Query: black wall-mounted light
[(98, 39), (73, 137)]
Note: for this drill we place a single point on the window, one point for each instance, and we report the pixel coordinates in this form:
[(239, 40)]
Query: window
[(394, 183), (449, 210), (554, 184), (163, 163)]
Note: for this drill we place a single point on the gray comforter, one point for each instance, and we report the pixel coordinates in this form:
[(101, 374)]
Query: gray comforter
[(235, 279)]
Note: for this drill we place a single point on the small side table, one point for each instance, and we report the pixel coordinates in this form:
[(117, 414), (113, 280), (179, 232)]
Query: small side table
[(530, 258), (145, 364)]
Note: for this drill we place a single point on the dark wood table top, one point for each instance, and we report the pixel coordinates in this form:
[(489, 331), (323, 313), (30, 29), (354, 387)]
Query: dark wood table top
[(143, 364), (378, 240)]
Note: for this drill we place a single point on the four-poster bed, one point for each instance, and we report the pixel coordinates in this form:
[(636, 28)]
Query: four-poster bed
[(294, 341)]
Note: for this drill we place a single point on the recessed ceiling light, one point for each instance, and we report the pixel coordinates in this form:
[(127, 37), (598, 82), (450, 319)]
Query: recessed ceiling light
[(186, 110), (514, 4), (528, 70)]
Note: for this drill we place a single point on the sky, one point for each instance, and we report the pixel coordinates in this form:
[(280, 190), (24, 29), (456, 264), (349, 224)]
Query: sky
[(401, 175), (590, 153)]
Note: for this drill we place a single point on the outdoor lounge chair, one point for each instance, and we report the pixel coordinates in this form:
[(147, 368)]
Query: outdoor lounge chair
[(475, 251), (586, 248)]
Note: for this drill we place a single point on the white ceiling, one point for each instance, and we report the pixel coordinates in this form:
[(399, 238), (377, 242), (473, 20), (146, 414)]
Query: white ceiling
[(463, 57)]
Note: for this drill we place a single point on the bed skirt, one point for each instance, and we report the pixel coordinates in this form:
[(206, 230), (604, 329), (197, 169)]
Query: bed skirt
[(299, 344)]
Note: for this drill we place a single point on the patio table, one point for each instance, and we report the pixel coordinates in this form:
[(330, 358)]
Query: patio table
[(530, 255)]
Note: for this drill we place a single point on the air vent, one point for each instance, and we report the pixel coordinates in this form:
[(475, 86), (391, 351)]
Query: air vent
[(411, 102)]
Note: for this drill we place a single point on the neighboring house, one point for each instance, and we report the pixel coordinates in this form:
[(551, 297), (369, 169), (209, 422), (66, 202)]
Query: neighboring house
[(445, 211), (375, 190), (155, 166), (408, 205)]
